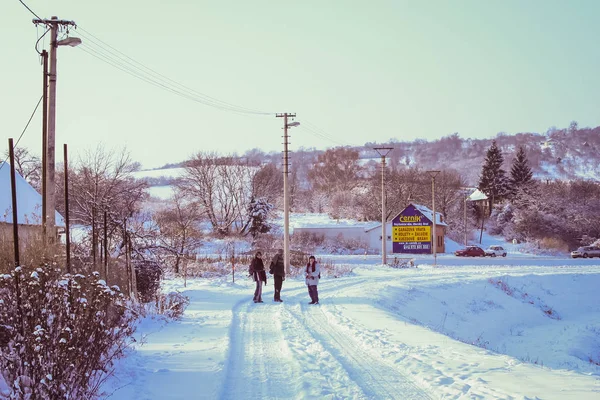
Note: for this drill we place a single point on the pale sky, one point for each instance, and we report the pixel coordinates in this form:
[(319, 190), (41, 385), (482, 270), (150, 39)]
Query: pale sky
[(352, 71)]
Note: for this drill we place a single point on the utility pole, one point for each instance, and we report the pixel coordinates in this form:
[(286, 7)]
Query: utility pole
[(286, 200), (13, 191), (383, 152), (54, 25), (434, 234), (466, 197)]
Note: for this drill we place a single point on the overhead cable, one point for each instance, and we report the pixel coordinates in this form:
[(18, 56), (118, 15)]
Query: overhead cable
[(26, 126), (110, 55)]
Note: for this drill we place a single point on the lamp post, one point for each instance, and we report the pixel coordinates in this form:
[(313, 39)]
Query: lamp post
[(286, 195), (433, 234), (50, 151), (383, 152)]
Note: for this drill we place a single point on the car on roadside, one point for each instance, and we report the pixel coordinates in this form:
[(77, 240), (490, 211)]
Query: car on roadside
[(495, 251), (586, 252), (470, 251)]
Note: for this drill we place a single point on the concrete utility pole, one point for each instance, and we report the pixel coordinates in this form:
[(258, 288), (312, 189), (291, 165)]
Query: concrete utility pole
[(44, 146), (383, 152), (433, 234), (54, 24), (286, 200)]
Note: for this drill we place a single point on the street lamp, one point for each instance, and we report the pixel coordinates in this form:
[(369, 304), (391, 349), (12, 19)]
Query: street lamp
[(49, 220)]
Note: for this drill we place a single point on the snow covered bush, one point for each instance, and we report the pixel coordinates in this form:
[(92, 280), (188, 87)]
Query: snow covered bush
[(172, 305), (65, 333)]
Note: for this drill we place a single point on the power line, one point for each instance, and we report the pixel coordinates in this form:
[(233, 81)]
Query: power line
[(110, 55), (30, 10), (26, 126), (316, 131)]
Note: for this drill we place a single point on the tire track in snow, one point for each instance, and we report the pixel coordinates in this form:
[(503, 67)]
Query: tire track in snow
[(377, 377), (259, 365)]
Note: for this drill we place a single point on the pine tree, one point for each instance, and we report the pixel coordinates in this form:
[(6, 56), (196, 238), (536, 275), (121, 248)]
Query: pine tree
[(258, 213), (493, 181), (521, 176)]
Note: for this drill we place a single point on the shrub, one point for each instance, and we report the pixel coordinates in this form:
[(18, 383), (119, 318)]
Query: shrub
[(147, 275), (171, 305), (65, 333)]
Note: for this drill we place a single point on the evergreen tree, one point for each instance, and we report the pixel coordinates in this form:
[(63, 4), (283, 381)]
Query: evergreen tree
[(493, 181), (258, 214), (521, 176)]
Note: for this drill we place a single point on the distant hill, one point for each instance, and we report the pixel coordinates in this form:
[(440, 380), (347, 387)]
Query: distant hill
[(559, 154)]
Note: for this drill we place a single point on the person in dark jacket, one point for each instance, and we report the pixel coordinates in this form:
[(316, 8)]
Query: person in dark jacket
[(257, 270), (277, 269), (313, 274)]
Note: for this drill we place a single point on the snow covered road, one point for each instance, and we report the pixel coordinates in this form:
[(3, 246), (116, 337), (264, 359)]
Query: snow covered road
[(378, 334)]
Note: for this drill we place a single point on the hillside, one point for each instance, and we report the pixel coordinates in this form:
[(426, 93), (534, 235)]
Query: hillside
[(558, 154)]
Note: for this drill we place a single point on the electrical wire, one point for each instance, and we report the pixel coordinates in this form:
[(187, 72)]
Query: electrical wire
[(38, 41), (169, 79), (30, 10), (110, 55), (316, 131), (26, 126)]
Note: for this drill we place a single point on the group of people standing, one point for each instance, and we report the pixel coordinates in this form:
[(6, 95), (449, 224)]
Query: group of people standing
[(277, 269)]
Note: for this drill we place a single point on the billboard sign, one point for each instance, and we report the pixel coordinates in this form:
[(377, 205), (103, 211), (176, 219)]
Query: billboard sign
[(411, 232)]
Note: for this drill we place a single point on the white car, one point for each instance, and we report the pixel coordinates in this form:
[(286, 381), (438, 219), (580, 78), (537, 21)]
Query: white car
[(494, 251), (586, 251)]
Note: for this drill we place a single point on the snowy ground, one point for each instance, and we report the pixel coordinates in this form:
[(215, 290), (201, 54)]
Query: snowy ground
[(513, 328)]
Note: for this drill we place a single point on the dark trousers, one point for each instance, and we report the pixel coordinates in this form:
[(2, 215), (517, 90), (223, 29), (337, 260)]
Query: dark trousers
[(258, 291), (278, 283), (313, 293)]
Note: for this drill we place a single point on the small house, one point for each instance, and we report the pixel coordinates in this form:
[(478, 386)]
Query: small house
[(29, 207)]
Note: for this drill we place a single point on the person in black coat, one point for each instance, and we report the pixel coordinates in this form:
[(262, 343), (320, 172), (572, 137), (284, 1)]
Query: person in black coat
[(277, 269), (257, 271)]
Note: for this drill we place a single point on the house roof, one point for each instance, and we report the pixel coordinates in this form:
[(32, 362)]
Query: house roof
[(477, 195), (429, 214), (423, 210), (29, 201)]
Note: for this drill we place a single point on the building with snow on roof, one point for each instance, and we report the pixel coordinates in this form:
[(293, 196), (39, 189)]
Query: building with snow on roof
[(29, 207)]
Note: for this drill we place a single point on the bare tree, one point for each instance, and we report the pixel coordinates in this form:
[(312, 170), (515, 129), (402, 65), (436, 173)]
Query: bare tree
[(29, 166), (336, 169), (178, 225), (101, 182), (222, 186)]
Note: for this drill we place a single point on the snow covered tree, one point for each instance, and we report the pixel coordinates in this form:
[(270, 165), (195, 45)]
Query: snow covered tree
[(520, 174), (493, 181), (258, 215)]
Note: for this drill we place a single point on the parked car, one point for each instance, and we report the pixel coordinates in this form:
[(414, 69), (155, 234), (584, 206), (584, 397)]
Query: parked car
[(470, 251), (494, 251), (586, 251)]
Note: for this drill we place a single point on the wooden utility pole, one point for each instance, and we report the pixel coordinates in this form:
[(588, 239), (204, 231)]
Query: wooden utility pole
[(13, 188), (286, 195), (67, 220), (383, 152)]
